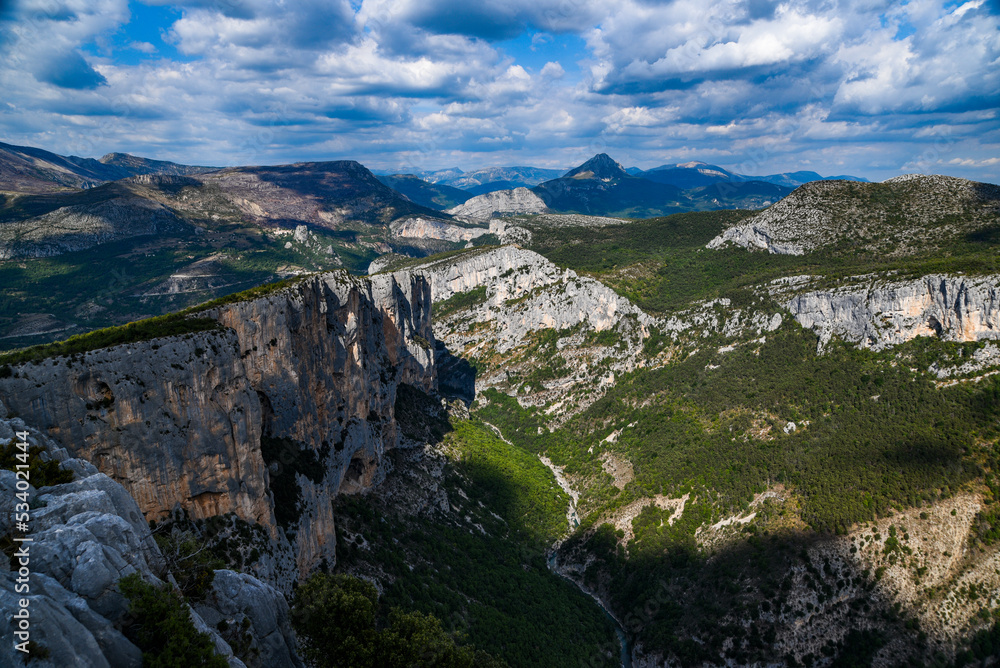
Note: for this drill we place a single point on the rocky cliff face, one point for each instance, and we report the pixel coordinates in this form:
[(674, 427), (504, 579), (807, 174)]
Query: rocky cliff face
[(179, 421), (482, 207), (86, 535), (880, 313), (428, 228), (509, 303)]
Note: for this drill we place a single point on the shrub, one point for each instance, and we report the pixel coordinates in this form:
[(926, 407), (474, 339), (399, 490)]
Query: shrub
[(159, 623), (40, 473)]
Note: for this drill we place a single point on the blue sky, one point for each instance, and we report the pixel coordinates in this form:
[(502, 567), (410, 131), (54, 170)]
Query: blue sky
[(867, 87)]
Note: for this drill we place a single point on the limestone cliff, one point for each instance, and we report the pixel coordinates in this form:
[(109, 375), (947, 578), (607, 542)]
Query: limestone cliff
[(482, 207), (417, 227), (86, 535), (509, 302), (880, 313), (179, 421)]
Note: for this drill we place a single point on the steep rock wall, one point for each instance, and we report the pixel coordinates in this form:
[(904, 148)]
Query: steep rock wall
[(549, 296), (954, 308), (179, 420)]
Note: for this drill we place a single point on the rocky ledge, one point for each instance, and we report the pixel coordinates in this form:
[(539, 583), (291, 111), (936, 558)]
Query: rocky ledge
[(482, 207)]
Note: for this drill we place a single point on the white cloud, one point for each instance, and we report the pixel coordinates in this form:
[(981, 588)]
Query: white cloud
[(765, 84)]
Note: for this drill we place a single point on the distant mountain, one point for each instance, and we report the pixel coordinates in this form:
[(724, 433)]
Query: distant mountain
[(601, 166), (488, 179), (602, 187), (697, 174), (136, 165), (435, 196), (27, 169), (151, 243), (796, 179), (739, 195), (494, 186), (690, 175), (332, 196)]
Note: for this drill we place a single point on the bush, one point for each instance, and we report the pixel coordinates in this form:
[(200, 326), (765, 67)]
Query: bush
[(40, 473), (337, 622), (159, 623)]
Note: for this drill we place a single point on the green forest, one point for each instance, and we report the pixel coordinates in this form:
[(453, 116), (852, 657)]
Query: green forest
[(485, 577)]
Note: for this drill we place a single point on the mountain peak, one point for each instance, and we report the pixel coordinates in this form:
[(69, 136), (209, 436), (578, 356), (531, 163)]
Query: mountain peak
[(601, 166)]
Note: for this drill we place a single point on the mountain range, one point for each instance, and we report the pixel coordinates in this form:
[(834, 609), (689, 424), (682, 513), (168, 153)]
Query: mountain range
[(516, 432)]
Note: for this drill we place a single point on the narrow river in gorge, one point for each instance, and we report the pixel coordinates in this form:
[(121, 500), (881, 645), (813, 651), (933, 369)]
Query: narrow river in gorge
[(553, 558)]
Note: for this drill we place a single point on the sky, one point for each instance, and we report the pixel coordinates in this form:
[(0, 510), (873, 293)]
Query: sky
[(872, 88)]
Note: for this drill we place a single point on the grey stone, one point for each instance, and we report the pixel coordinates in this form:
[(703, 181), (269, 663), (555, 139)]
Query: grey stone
[(238, 595), (178, 420), (482, 207), (876, 313)]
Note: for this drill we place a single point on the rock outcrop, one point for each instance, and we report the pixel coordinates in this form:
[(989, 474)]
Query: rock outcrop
[(482, 207), (85, 536), (884, 313), (179, 421), (901, 216), (417, 227), (508, 300), (512, 274)]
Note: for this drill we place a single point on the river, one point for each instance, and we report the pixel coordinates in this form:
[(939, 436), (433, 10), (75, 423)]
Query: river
[(553, 559)]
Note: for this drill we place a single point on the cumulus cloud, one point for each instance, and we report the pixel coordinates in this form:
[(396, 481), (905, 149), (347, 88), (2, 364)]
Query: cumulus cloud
[(743, 83)]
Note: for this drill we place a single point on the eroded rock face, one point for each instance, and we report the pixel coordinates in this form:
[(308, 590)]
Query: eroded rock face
[(179, 420), (512, 298), (552, 297), (85, 536), (418, 227), (174, 420), (244, 602), (882, 314), (482, 207)]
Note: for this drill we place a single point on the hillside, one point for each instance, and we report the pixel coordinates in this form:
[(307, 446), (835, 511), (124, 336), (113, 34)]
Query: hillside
[(174, 240), (902, 216), (33, 170), (431, 195), (26, 169), (767, 415)]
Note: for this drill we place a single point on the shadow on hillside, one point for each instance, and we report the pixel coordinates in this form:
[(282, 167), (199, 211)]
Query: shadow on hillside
[(985, 235), (746, 603), (456, 377), (420, 416)]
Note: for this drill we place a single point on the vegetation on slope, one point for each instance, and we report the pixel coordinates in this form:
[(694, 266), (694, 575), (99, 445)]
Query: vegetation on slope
[(874, 434), (662, 264), (159, 623), (481, 567), (340, 623)]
